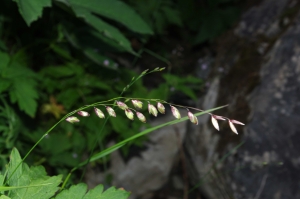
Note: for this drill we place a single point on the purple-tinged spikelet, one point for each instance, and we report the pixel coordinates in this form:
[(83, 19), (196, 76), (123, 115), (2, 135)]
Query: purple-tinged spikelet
[(99, 113), (83, 113), (152, 110), (214, 121), (192, 118), (161, 108), (129, 114), (72, 119), (141, 117), (137, 104), (122, 105), (175, 112), (111, 111), (232, 127)]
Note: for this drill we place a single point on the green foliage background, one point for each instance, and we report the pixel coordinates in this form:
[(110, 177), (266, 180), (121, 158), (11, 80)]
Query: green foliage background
[(56, 55)]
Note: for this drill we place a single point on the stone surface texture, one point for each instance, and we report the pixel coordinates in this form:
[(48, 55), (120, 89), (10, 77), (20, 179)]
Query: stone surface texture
[(267, 164)]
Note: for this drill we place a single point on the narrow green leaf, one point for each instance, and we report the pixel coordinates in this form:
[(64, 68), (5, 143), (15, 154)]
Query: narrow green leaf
[(115, 10), (31, 10), (100, 59), (122, 143), (106, 29)]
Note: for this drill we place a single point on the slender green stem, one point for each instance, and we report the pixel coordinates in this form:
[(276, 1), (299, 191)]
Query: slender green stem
[(157, 56), (105, 122), (62, 119)]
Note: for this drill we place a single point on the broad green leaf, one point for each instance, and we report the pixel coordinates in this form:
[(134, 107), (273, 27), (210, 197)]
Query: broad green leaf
[(111, 193), (23, 91), (7, 188), (22, 82), (79, 192), (95, 193), (40, 185), (74, 192), (4, 197), (115, 10), (31, 10)]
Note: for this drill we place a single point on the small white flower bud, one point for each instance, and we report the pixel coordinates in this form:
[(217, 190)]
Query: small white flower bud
[(129, 114), (137, 104), (122, 105), (99, 113), (111, 111), (232, 127), (83, 113), (193, 118), (152, 110), (161, 108), (72, 119), (175, 112), (141, 117)]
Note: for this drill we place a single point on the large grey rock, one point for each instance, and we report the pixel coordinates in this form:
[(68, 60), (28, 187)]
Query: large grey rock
[(268, 164)]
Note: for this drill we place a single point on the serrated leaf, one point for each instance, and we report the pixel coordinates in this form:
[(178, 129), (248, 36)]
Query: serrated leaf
[(31, 10), (23, 91), (74, 192), (115, 10), (113, 193), (19, 174), (79, 192)]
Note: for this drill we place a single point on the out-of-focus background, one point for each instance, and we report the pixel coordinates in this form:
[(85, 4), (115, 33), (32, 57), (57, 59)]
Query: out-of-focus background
[(58, 55)]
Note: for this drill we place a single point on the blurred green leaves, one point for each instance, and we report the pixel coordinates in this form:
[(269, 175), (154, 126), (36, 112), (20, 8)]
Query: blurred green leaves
[(24, 182), (113, 9), (208, 19), (80, 52), (31, 10), (20, 82)]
